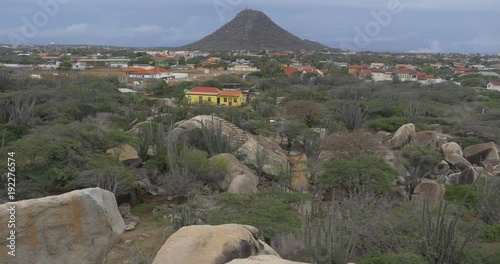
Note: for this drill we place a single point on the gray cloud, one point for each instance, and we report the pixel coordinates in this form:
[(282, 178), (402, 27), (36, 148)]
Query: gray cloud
[(423, 25)]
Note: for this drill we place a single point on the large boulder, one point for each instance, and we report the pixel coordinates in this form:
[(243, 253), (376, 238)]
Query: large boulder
[(124, 152), (190, 130), (429, 190), (442, 168), (402, 136), (457, 162), (490, 165), (468, 176), (209, 245), (451, 148), (425, 139), (263, 259), (480, 152), (76, 227), (274, 158), (238, 178)]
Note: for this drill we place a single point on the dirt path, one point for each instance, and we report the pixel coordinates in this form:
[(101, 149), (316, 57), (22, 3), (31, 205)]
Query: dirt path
[(299, 168), (141, 244)]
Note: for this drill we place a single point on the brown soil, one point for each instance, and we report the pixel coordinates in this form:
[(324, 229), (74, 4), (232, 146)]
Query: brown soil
[(147, 239), (299, 168)]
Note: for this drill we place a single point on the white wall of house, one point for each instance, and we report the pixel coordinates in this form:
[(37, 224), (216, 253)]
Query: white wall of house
[(381, 76), (491, 86), (153, 76)]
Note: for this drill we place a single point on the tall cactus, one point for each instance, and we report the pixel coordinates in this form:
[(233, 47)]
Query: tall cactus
[(439, 243), (325, 237)]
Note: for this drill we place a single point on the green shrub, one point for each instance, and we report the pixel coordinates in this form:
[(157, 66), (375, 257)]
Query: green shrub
[(142, 208), (491, 233), (400, 258), (269, 212), (11, 133), (361, 174), (390, 124), (424, 157), (457, 194)]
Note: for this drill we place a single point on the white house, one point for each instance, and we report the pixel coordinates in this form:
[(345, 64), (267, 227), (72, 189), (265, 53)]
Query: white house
[(380, 76), (479, 67), (493, 85)]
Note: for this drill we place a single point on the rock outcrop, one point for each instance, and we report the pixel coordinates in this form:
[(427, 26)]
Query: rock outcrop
[(76, 227), (425, 139), (480, 152), (211, 245), (451, 148), (402, 136), (457, 162), (239, 178), (124, 152), (190, 130), (264, 259), (274, 158), (429, 190)]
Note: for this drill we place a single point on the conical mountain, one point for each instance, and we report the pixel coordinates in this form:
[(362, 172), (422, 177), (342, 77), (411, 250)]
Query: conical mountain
[(252, 30)]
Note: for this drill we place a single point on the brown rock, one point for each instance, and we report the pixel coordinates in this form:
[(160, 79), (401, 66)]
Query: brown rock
[(468, 176), (480, 152), (209, 245), (76, 227), (429, 190), (491, 164), (425, 139), (451, 148), (246, 180), (457, 163), (402, 136), (263, 259), (275, 158), (124, 152), (443, 168)]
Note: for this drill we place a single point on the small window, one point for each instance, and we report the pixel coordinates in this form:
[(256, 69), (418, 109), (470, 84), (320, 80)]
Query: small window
[(189, 98), (225, 100), (235, 100), (200, 99), (209, 99)]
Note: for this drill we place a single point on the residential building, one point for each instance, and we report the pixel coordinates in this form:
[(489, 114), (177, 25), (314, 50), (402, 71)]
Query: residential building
[(462, 71), (231, 98), (149, 73), (377, 65), (493, 85), (203, 95), (242, 67), (404, 75), (479, 67), (212, 95), (341, 64), (182, 67), (356, 69)]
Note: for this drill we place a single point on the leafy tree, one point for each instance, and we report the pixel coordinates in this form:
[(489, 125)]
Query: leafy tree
[(363, 174)]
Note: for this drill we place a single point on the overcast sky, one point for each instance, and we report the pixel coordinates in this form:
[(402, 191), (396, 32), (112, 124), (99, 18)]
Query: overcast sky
[(416, 25)]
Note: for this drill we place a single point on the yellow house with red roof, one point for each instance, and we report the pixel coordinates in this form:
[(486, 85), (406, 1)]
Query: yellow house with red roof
[(212, 95)]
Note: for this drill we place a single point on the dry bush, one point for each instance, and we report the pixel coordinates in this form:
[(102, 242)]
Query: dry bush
[(348, 145), (307, 112), (289, 246)]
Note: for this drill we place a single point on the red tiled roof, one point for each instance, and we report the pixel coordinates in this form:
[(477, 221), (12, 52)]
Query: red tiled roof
[(290, 71), (230, 93), (205, 90), (497, 82), (364, 66)]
